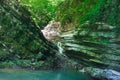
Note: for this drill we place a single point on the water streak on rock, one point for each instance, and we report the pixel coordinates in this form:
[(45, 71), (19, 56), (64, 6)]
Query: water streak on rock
[(60, 49)]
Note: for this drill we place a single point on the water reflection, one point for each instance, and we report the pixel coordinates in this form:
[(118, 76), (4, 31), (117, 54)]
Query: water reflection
[(40, 75)]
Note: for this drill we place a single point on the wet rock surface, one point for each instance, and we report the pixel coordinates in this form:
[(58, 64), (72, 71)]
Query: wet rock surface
[(102, 74)]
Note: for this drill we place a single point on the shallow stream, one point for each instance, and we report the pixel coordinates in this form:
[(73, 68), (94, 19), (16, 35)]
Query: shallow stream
[(16, 74)]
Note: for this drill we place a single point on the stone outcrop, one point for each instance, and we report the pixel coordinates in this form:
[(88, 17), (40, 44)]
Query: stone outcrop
[(94, 47), (51, 31), (102, 74)]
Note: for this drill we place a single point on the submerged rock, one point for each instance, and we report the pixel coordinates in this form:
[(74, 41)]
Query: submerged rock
[(102, 74), (111, 75)]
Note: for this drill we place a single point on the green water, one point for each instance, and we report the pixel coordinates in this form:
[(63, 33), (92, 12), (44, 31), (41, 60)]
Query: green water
[(8, 74)]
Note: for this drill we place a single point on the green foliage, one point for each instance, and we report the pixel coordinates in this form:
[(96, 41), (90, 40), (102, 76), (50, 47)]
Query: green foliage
[(21, 42), (42, 11), (17, 39), (7, 64), (70, 11), (104, 11)]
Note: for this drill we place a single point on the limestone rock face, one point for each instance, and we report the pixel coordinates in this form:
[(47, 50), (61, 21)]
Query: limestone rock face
[(51, 31)]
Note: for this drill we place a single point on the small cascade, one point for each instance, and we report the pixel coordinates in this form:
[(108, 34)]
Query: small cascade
[(60, 49)]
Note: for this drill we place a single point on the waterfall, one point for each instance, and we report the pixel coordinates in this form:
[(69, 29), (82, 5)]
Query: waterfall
[(60, 49)]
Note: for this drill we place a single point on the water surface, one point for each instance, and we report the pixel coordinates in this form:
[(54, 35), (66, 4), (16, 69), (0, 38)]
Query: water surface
[(8, 74)]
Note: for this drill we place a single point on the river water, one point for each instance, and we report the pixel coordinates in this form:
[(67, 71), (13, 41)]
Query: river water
[(16, 74)]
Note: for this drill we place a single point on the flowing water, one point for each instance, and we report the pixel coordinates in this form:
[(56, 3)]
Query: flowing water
[(60, 49), (15, 74)]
